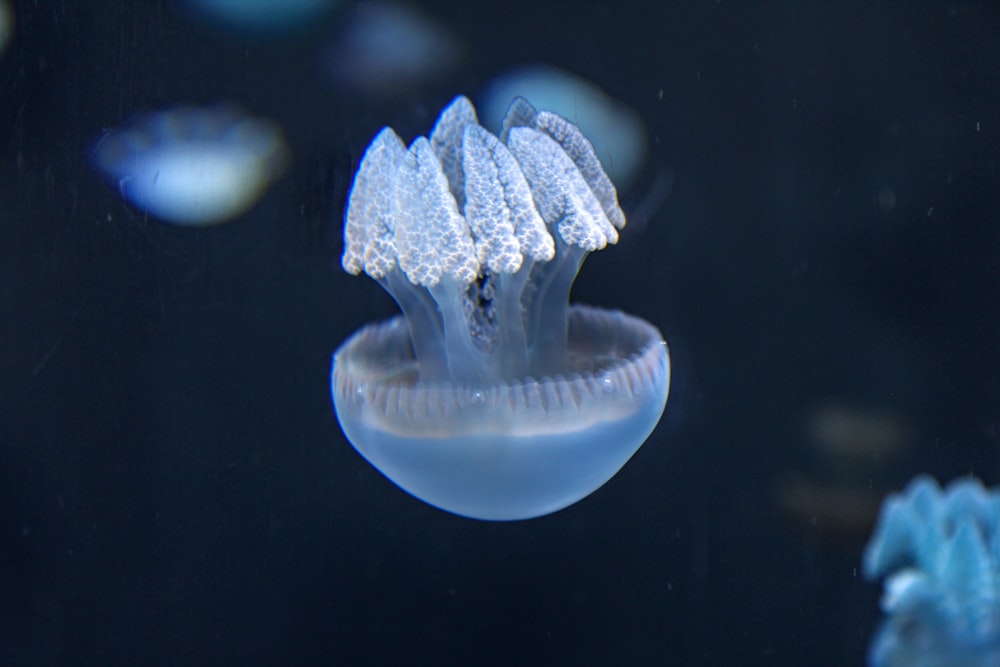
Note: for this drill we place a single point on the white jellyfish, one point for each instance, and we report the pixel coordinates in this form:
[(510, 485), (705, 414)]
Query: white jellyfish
[(190, 165), (492, 397)]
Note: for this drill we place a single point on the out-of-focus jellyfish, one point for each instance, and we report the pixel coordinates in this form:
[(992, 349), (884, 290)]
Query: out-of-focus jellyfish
[(192, 166), (616, 131), (847, 450), (388, 49), (940, 553), (262, 15), (493, 398), (6, 24)]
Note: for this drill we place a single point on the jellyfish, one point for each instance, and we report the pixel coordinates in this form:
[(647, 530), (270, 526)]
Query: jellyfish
[(6, 24), (940, 553), (386, 50), (491, 397), (261, 16), (191, 165)]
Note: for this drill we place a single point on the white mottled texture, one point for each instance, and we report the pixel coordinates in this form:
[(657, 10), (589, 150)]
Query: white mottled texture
[(581, 151), (520, 113), (446, 139), (498, 206), (432, 238), (563, 197), (618, 134), (369, 228), (464, 201)]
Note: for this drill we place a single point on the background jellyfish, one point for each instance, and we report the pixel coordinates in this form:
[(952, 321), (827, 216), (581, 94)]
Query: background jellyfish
[(387, 49), (493, 398), (262, 15), (940, 554), (192, 166), (846, 452), (6, 24)]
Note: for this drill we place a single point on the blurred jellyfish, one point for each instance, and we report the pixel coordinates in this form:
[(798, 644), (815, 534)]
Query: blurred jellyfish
[(940, 554), (192, 166), (616, 131), (388, 49), (6, 24), (262, 15), (492, 398), (847, 451)]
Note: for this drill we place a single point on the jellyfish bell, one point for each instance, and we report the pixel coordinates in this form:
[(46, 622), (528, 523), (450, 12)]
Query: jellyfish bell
[(492, 397), (192, 165), (512, 449)]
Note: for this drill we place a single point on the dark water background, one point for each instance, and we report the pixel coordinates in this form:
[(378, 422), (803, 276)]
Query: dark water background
[(175, 489)]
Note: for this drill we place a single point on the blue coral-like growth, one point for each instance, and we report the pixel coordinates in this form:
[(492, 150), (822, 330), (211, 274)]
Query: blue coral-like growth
[(939, 551)]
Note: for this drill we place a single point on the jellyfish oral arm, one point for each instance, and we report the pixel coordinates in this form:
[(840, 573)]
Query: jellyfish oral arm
[(486, 288)]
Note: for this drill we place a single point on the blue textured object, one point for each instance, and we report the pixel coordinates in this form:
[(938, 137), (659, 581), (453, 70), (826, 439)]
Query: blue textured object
[(493, 398), (940, 553)]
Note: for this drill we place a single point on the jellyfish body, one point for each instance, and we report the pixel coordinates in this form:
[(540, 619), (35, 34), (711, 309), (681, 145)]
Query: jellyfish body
[(940, 553), (192, 166), (492, 398)]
